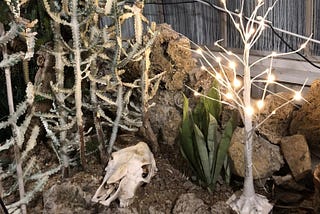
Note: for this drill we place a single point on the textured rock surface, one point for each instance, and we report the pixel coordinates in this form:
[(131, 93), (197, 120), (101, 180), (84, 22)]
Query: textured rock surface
[(296, 152), (165, 116), (306, 120), (170, 53), (277, 126), (266, 156), (65, 198), (189, 203)]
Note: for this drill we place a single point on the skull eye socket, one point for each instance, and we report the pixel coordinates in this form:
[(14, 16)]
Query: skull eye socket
[(145, 171)]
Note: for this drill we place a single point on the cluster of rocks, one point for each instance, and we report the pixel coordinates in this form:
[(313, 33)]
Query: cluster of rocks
[(284, 137)]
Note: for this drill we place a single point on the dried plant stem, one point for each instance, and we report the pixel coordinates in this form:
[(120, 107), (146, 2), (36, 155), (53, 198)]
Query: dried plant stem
[(59, 68), (17, 153), (146, 125), (77, 72), (115, 127), (96, 118)]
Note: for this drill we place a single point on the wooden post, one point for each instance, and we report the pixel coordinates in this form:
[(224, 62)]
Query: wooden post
[(309, 23), (223, 27)]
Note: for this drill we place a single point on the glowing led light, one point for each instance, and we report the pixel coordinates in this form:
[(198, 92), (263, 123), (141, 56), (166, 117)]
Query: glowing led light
[(218, 76), (297, 96), (259, 17), (203, 67), (260, 104), (249, 110), (229, 96), (218, 59), (274, 53), (271, 78), (199, 51), (196, 94), (237, 83), (252, 30), (273, 112), (303, 45), (232, 65)]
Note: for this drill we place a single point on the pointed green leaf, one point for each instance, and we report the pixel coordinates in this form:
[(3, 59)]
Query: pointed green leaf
[(200, 117), (213, 105), (186, 133), (223, 148), (212, 140), (227, 170), (203, 152)]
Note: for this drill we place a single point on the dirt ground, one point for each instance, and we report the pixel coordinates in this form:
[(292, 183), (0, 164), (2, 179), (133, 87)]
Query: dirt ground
[(170, 191)]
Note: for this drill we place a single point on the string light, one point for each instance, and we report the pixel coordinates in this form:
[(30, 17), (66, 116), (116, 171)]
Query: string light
[(297, 96), (218, 76), (260, 104), (237, 83), (303, 46), (229, 96), (196, 94), (271, 78), (249, 110), (232, 65), (199, 51), (252, 30)]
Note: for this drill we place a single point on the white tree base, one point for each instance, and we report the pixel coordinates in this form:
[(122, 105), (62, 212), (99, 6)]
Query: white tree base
[(256, 204)]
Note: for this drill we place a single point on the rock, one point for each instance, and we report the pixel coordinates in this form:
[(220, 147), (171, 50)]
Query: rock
[(266, 156), (316, 181), (65, 198), (296, 152), (306, 120), (276, 126), (165, 117), (220, 207), (189, 203), (170, 53)]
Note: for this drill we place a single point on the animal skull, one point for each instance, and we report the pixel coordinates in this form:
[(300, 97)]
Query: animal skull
[(127, 169)]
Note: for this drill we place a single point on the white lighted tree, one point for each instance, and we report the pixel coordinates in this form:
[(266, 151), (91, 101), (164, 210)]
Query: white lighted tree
[(238, 94)]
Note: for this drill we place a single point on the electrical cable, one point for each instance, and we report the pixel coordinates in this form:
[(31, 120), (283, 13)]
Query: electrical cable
[(291, 48), (222, 10)]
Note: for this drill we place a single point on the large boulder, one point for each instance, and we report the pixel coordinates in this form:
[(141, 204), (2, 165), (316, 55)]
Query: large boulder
[(266, 156), (306, 120), (278, 122), (296, 152)]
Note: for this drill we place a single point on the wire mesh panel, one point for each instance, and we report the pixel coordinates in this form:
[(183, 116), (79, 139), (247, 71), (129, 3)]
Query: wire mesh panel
[(287, 14), (204, 24), (315, 48), (197, 21)]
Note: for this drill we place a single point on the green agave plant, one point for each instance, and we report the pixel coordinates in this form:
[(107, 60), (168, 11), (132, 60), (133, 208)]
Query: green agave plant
[(203, 143)]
